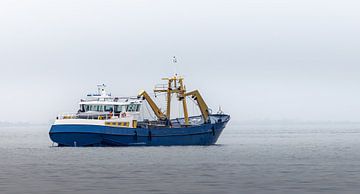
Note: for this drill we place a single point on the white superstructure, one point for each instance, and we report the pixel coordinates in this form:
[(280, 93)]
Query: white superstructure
[(103, 109)]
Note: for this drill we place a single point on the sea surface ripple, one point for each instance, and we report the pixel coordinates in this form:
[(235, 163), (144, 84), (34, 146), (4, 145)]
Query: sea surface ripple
[(247, 159)]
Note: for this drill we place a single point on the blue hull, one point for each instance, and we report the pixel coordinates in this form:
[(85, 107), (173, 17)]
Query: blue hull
[(96, 135)]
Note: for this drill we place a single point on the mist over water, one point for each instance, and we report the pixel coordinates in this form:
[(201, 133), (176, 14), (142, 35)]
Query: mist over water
[(247, 159), (260, 60)]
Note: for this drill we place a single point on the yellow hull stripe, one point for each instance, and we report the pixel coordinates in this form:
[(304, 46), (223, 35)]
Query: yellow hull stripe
[(117, 124)]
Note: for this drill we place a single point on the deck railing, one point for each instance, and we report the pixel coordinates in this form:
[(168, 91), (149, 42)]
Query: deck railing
[(86, 116), (161, 87)]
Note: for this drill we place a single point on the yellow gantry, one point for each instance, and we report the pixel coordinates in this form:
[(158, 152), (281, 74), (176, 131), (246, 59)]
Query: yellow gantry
[(176, 85)]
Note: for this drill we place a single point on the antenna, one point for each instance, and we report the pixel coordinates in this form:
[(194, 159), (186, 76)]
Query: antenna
[(174, 60)]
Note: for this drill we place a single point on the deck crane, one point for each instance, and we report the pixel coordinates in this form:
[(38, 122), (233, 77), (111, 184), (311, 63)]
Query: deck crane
[(152, 104), (175, 85)]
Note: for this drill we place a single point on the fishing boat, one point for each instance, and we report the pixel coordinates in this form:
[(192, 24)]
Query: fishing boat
[(103, 120)]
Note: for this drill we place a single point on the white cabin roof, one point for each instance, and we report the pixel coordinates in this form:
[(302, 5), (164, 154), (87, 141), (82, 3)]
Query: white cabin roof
[(104, 98), (111, 102)]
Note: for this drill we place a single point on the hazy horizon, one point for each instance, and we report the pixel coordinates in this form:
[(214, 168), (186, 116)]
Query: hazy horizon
[(259, 60)]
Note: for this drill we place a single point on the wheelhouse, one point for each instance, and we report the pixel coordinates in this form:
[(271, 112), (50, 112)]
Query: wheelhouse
[(103, 106), (96, 106)]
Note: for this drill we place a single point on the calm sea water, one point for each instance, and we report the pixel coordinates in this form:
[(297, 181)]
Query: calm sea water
[(248, 159)]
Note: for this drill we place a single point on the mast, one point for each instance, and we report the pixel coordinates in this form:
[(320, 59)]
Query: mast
[(168, 99), (175, 85), (183, 99)]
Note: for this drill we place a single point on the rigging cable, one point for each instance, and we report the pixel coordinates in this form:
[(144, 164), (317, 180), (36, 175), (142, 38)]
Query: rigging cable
[(147, 108)]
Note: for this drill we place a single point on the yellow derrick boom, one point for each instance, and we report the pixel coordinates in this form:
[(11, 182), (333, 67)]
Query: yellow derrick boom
[(201, 103), (152, 104)]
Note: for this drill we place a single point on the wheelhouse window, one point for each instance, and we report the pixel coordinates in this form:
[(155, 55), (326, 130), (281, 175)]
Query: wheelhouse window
[(109, 108), (92, 107), (95, 108), (85, 108), (138, 108), (118, 108), (133, 108)]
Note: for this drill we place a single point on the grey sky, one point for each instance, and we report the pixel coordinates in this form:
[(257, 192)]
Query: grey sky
[(258, 59)]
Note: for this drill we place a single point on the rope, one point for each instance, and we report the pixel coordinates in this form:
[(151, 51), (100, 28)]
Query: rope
[(194, 103), (179, 109), (147, 108)]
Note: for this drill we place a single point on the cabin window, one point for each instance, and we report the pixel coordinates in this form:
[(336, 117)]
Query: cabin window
[(98, 108), (118, 108), (109, 108), (85, 108), (133, 108)]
